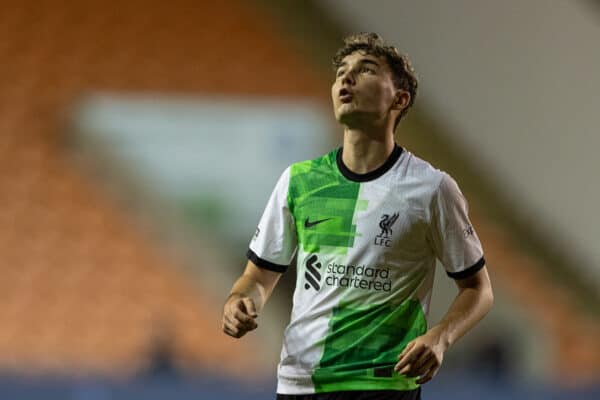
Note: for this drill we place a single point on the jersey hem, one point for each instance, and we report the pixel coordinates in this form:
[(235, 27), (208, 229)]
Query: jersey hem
[(293, 387), (262, 263), (472, 270)]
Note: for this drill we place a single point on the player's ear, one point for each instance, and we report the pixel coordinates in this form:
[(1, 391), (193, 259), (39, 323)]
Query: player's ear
[(401, 99)]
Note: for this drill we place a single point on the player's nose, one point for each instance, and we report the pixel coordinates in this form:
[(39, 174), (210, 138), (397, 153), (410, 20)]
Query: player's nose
[(348, 77)]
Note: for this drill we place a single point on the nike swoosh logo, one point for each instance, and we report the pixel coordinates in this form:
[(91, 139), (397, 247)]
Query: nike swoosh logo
[(310, 224)]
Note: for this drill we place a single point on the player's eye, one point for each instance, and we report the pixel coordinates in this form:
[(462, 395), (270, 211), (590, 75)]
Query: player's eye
[(339, 73), (367, 70)]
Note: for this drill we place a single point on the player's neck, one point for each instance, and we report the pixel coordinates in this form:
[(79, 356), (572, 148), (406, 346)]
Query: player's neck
[(366, 151)]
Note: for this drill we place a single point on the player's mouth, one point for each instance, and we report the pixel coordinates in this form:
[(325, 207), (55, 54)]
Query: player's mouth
[(345, 95)]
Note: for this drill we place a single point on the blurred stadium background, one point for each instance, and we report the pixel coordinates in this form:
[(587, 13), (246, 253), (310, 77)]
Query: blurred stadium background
[(140, 140)]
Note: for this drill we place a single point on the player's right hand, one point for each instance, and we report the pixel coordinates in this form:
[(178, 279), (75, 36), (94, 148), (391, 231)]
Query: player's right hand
[(239, 316)]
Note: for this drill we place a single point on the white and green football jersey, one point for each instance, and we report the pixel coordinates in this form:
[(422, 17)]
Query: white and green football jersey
[(366, 249)]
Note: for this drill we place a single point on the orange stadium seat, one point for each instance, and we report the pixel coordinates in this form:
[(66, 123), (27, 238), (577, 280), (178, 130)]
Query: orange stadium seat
[(83, 291)]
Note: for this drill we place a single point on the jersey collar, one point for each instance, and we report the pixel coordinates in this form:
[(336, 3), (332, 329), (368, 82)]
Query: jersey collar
[(371, 175)]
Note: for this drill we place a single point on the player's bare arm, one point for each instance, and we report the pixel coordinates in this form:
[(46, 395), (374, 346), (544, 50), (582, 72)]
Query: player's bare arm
[(423, 356), (247, 298)]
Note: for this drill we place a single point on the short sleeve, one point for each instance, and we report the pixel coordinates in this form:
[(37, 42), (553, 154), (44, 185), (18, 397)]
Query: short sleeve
[(453, 238), (274, 244)]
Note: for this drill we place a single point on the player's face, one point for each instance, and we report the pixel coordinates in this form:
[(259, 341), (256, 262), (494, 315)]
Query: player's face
[(363, 90)]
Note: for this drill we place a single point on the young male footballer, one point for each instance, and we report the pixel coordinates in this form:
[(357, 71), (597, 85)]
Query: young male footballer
[(367, 222)]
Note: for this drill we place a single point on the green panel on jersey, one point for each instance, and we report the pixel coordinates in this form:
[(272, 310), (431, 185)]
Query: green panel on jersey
[(363, 340), (323, 203)]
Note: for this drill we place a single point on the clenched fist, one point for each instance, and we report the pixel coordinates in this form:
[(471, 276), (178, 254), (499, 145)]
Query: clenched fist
[(239, 316)]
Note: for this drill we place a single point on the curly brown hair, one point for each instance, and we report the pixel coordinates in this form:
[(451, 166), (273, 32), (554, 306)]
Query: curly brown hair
[(403, 74)]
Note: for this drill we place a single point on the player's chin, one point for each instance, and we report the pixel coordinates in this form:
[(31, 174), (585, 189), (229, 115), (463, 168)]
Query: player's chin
[(346, 115)]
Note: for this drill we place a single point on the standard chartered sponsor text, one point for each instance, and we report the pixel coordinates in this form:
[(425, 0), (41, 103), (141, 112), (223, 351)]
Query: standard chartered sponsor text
[(358, 276)]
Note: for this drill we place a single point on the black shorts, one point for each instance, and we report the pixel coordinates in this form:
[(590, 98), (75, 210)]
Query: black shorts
[(357, 395)]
